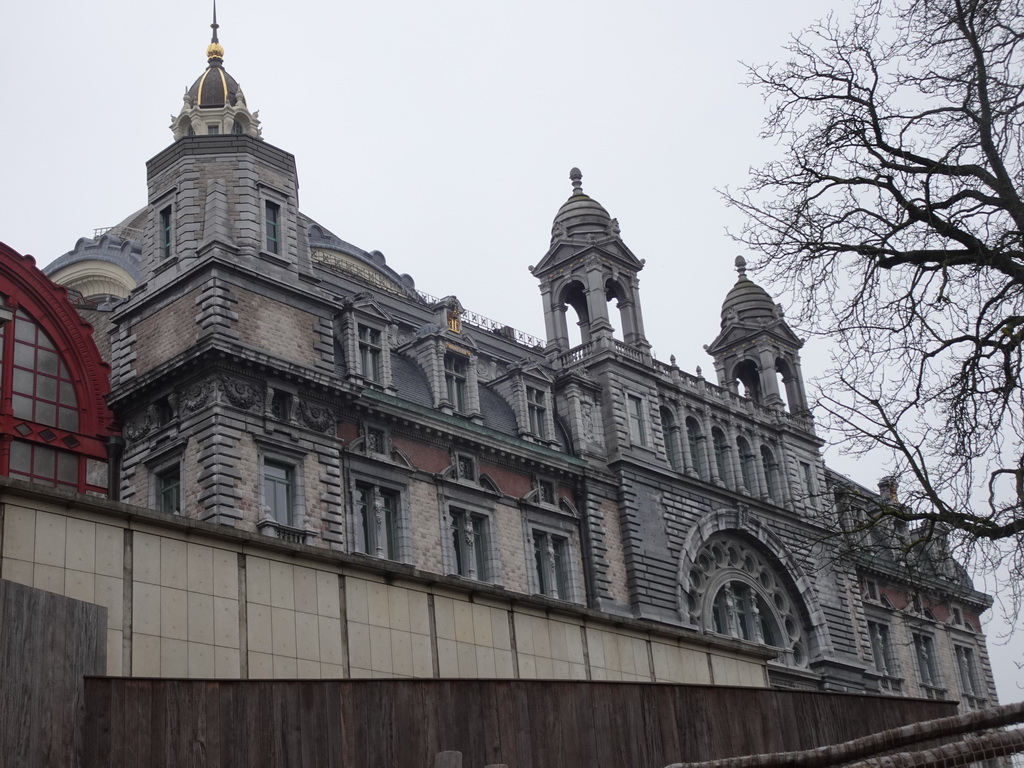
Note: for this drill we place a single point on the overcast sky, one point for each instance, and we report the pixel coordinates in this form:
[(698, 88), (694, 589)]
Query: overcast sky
[(439, 133)]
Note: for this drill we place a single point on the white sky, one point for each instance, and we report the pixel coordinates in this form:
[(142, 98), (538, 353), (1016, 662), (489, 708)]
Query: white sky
[(439, 133)]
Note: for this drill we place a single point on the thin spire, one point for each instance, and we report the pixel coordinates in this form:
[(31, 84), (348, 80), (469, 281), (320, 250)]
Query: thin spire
[(214, 51)]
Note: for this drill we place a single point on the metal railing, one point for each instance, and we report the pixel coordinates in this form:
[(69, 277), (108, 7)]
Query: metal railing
[(480, 321)]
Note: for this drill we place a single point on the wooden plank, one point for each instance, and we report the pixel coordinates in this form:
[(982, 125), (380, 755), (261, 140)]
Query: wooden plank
[(526, 724)]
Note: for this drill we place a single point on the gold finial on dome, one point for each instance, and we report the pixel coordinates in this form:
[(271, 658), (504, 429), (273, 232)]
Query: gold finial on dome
[(214, 50)]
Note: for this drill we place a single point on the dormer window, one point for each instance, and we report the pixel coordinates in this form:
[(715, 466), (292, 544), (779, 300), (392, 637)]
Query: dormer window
[(536, 405), (371, 353), (212, 129), (456, 371)]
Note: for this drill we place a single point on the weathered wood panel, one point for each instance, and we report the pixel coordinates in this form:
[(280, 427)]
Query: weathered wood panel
[(524, 724), (48, 644)]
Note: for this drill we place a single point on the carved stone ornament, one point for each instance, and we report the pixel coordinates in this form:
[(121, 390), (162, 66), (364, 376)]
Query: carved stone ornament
[(243, 394), (140, 426), (197, 396), (588, 421), (317, 417)]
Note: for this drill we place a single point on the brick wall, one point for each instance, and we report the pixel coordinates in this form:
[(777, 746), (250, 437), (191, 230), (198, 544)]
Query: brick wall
[(170, 332)]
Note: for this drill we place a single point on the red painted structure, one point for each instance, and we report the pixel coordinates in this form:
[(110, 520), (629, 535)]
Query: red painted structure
[(54, 421)]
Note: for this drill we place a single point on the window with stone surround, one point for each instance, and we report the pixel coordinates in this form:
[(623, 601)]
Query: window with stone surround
[(884, 654), (282, 495), (272, 227), (278, 491), (636, 418), (469, 534), (551, 561), (165, 232), (734, 590), (371, 353), (456, 373), (363, 333), (378, 510), (927, 666), (967, 671), (165, 484), (377, 518), (537, 411)]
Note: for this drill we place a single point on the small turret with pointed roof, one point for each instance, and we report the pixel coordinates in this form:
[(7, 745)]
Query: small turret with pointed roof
[(215, 103)]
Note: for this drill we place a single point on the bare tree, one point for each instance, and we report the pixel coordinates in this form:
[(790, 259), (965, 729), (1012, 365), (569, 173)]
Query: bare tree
[(895, 216)]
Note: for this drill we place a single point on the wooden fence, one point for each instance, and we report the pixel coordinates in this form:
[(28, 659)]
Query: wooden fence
[(520, 723), (48, 644)]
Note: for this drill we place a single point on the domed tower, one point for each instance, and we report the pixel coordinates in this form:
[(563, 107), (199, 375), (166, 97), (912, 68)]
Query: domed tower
[(215, 103), (756, 348), (586, 267)]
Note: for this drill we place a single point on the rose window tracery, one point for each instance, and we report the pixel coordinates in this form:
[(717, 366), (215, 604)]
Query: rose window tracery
[(734, 591)]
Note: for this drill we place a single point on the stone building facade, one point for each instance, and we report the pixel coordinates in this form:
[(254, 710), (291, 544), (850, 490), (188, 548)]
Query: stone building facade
[(290, 388)]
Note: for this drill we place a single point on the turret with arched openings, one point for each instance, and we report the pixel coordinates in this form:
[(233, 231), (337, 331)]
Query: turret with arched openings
[(586, 268), (756, 349)]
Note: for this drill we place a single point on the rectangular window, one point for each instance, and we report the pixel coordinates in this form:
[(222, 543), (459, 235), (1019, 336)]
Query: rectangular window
[(273, 227), (278, 491), (212, 129), (469, 544), (928, 666), (377, 518), (455, 373), (635, 412), (165, 233), (808, 478), (968, 673), (370, 353), (535, 403), (168, 490), (551, 559), (885, 656), (870, 589)]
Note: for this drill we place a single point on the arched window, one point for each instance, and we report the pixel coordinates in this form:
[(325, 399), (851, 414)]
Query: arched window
[(734, 590), (721, 456), (668, 427), (575, 296), (747, 466), (52, 383), (771, 474), (739, 611), (790, 386), (748, 375), (695, 439)]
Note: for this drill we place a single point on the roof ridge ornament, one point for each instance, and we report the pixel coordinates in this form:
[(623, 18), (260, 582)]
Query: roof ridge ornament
[(741, 267), (576, 177), (214, 50)]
